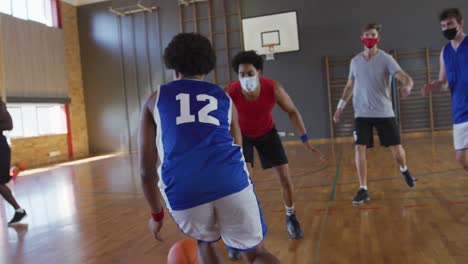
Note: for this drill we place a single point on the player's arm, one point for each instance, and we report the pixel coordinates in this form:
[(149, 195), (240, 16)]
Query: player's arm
[(288, 106), (6, 123), (348, 90), (347, 94), (406, 82), (148, 158), (441, 83), (235, 128), (285, 102)]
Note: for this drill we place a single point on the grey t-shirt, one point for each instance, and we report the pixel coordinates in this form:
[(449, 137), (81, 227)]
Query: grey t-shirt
[(372, 84)]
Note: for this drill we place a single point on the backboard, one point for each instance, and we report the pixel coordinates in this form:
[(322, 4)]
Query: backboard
[(271, 34)]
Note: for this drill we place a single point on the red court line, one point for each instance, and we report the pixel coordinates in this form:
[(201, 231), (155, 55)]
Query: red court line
[(415, 206), (457, 203), (370, 208)]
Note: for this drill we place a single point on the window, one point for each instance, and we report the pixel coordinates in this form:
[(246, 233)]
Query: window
[(20, 9), (5, 6), (33, 120), (34, 10), (15, 113), (47, 117)]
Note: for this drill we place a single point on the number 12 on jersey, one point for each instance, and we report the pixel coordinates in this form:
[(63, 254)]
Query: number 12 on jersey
[(203, 114)]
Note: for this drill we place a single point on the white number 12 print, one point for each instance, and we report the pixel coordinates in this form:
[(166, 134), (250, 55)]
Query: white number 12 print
[(203, 114)]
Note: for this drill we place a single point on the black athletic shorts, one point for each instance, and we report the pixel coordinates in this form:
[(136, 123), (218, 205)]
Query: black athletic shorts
[(387, 129), (4, 160), (269, 148)]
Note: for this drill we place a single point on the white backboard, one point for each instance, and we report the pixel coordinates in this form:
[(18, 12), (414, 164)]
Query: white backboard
[(279, 30)]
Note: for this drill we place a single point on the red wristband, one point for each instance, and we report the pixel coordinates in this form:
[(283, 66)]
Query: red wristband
[(158, 217)]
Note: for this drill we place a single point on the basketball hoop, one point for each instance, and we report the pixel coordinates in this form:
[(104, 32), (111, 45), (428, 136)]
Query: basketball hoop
[(270, 53)]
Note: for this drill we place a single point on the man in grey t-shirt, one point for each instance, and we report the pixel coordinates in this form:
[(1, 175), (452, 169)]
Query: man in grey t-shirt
[(369, 79)]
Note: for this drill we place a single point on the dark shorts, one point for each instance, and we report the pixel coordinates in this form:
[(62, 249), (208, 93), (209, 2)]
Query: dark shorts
[(5, 156), (269, 148), (387, 129)]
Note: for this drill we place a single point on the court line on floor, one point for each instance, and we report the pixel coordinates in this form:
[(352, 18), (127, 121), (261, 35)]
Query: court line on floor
[(298, 175), (432, 175), (330, 200), (465, 188)]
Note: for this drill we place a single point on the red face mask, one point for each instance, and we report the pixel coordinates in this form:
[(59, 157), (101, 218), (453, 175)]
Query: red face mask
[(370, 42)]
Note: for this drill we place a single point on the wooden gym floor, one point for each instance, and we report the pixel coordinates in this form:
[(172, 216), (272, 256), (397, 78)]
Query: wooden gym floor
[(95, 212)]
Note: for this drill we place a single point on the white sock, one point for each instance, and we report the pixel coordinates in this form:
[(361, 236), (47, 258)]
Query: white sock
[(364, 187), (403, 169), (290, 210), (21, 210)]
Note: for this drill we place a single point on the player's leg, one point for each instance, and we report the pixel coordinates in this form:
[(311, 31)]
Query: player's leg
[(272, 155), (260, 255), (200, 223), (362, 139), (462, 157), (208, 254), (292, 223), (389, 136), (5, 192), (242, 226), (283, 176), (460, 139), (248, 151)]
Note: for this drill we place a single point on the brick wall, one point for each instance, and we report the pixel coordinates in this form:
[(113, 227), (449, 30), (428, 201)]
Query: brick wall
[(75, 81), (35, 151)]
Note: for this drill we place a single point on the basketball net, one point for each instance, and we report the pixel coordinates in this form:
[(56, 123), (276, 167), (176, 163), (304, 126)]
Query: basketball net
[(270, 54)]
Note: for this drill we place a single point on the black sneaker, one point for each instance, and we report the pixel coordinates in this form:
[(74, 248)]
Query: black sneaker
[(293, 227), (17, 218), (410, 180), (362, 196), (234, 255)]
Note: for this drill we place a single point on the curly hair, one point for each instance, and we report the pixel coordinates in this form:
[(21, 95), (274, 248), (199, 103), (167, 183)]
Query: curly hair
[(247, 57), (190, 54)]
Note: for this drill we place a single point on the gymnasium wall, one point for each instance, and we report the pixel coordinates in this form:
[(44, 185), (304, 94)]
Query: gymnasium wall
[(117, 79), (325, 28), (35, 151)]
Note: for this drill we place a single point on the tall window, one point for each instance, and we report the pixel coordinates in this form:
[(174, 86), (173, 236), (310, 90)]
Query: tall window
[(35, 10)]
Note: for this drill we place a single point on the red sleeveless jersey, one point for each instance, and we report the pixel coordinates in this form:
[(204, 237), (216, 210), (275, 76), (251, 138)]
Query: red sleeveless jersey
[(255, 117)]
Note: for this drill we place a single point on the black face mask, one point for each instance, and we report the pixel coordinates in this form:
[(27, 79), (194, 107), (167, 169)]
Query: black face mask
[(450, 33)]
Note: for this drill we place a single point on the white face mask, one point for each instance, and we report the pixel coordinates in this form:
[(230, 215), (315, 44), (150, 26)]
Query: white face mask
[(249, 84)]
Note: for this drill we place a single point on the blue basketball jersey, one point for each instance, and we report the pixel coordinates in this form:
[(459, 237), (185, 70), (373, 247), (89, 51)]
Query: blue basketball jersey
[(456, 68), (199, 162)]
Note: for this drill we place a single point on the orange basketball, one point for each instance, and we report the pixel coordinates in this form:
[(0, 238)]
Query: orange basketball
[(21, 165), (183, 252)]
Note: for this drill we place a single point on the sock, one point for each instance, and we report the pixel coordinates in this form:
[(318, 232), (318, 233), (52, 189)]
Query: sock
[(403, 169), (21, 210), (290, 210), (364, 187)]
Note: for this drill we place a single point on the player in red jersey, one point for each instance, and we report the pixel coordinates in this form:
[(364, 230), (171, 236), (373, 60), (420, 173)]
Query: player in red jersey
[(255, 97)]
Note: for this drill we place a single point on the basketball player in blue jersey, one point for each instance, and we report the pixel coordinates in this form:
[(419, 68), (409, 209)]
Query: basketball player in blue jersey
[(454, 75), (190, 148)]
